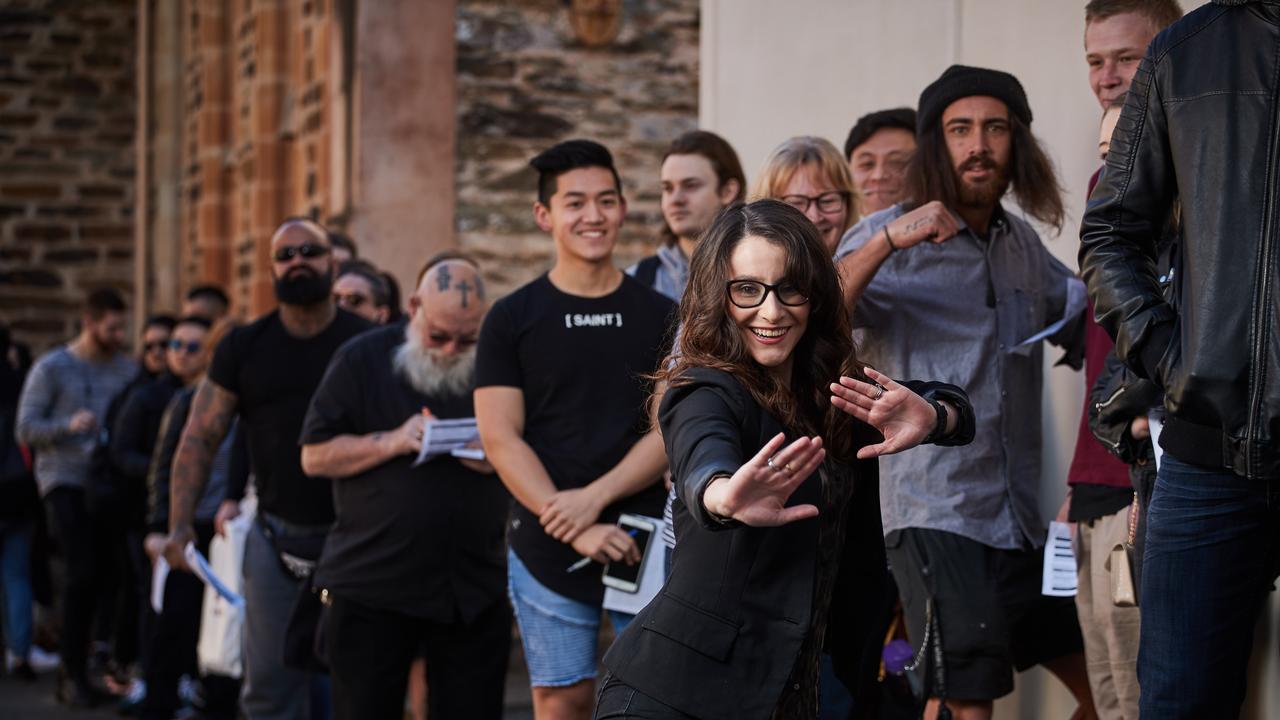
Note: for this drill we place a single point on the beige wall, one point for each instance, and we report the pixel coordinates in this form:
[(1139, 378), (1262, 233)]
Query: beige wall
[(771, 70)]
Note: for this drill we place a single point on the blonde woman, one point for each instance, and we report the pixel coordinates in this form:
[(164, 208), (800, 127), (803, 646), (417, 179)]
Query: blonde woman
[(809, 174)]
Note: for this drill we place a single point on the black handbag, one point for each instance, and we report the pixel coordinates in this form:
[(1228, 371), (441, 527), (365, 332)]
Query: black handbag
[(298, 556)]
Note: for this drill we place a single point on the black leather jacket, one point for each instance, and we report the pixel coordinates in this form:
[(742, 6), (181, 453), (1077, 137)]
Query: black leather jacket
[(1199, 124)]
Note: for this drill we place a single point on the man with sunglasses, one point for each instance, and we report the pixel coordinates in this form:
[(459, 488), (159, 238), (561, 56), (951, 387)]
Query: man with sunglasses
[(266, 372), (416, 561), (950, 285), (361, 289)]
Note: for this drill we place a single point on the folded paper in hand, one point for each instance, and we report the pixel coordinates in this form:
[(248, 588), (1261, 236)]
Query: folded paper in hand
[(1059, 562), (200, 566), (441, 437)]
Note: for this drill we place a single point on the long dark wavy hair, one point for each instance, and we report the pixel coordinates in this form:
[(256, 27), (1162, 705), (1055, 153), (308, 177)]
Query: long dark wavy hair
[(710, 338), (931, 174)]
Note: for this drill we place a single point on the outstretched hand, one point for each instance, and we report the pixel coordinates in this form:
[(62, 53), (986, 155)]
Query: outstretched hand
[(903, 417), (757, 493)]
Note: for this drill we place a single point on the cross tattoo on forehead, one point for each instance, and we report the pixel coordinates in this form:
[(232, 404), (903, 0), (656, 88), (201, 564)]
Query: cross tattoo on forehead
[(464, 287), (443, 278)]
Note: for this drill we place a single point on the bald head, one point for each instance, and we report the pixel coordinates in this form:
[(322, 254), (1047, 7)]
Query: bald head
[(301, 263), (449, 305)]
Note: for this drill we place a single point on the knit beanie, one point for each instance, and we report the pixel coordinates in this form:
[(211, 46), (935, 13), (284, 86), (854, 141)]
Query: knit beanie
[(961, 81)]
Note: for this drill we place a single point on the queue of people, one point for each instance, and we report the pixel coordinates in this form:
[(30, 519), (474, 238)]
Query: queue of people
[(837, 373)]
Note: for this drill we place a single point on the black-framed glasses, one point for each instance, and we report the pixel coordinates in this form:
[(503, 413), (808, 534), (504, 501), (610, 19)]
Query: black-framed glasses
[(306, 251), (828, 202), (191, 348), (751, 293)]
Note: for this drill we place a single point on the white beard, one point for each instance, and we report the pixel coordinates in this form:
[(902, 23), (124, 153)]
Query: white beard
[(426, 374)]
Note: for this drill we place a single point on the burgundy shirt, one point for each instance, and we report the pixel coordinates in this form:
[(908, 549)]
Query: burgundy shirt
[(1092, 464)]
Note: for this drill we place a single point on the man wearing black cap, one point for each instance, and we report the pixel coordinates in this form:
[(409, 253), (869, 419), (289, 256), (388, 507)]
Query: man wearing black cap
[(949, 284)]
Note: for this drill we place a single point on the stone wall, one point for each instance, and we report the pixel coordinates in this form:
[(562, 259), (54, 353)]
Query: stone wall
[(525, 83), (66, 160)]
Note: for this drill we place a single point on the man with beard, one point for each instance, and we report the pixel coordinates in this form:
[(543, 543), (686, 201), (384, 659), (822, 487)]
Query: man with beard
[(61, 411), (416, 557), (952, 286), (266, 372)]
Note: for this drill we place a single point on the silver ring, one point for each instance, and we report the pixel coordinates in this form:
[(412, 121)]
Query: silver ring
[(769, 461), (879, 393)]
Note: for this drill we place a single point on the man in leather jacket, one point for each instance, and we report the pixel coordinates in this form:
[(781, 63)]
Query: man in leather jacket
[(1199, 125)]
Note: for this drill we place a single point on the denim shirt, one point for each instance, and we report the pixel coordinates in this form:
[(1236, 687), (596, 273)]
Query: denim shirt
[(672, 274), (960, 312)]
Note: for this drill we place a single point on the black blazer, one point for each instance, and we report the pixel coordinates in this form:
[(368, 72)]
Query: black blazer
[(723, 635)]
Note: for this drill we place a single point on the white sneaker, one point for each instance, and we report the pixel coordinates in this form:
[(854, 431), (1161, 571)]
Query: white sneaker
[(42, 661)]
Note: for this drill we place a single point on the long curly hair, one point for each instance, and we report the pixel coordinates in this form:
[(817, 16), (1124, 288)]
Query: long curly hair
[(710, 338)]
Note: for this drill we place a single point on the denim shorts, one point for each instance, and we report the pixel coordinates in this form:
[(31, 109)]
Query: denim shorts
[(558, 633)]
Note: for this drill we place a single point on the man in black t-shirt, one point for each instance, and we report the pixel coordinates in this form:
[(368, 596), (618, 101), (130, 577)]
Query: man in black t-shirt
[(417, 555), (560, 400), (266, 372)]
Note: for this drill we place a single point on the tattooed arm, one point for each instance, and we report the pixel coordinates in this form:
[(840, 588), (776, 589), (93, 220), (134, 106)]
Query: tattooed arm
[(211, 412), (931, 221)]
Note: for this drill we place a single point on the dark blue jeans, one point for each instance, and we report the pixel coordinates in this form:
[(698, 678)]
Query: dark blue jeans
[(1210, 560)]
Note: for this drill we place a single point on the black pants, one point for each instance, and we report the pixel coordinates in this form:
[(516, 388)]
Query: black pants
[(618, 701), (370, 651), (175, 632), (72, 529)]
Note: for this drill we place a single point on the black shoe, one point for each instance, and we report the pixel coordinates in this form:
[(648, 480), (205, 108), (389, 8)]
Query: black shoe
[(23, 671), (78, 694)]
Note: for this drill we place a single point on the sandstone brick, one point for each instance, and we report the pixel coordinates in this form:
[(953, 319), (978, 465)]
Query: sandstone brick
[(41, 232), (71, 256), (30, 191), (30, 277), (110, 232)]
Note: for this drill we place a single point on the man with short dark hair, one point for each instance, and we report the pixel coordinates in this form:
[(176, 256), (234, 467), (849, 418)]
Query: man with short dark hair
[(701, 175), (64, 401), (1116, 35), (878, 149), (344, 247), (960, 289), (361, 289), (416, 557), (266, 372), (1199, 128), (207, 301), (561, 406)]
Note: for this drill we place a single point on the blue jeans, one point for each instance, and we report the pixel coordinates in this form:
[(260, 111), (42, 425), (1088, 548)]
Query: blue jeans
[(1212, 541), (15, 585)]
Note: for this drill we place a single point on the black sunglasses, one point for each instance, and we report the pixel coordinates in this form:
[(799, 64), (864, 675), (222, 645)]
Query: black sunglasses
[(155, 345), (306, 250), (191, 347)]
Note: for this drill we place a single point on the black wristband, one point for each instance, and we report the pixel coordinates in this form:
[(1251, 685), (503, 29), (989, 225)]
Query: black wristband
[(940, 426), (888, 239)]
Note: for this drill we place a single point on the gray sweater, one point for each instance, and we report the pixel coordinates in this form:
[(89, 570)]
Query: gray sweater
[(58, 385)]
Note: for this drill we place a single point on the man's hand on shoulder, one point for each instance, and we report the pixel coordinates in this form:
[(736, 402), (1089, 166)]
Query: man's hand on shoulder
[(932, 222)]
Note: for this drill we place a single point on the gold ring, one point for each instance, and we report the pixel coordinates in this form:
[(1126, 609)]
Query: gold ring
[(788, 468)]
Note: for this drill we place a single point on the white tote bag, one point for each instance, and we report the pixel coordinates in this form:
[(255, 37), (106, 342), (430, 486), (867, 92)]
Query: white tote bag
[(222, 622)]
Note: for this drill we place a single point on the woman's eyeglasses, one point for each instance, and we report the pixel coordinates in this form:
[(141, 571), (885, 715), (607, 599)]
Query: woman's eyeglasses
[(751, 293), (828, 202), (306, 251), (179, 346)]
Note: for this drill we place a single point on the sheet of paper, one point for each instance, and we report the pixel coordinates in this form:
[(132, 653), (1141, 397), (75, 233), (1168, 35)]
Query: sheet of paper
[(200, 566), (159, 574), (1156, 423), (440, 437), (1077, 297), (652, 576), (1059, 562)]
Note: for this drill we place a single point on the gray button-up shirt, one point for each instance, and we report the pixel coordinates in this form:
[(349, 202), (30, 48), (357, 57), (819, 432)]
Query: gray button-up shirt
[(959, 312)]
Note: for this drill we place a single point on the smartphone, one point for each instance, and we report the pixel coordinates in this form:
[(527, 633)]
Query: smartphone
[(626, 577)]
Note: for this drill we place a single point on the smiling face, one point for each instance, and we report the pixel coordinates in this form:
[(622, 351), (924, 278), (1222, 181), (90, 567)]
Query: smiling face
[(810, 182), (771, 330), (584, 215), (1113, 47), (879, 166)]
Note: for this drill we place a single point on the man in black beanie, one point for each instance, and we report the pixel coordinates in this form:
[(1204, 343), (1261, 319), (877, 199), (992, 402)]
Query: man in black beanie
[(948, 284)]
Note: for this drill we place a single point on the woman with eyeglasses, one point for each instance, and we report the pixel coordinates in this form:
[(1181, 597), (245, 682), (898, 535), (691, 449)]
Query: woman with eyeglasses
[(771, 427), (172, 639), (809, 174)]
